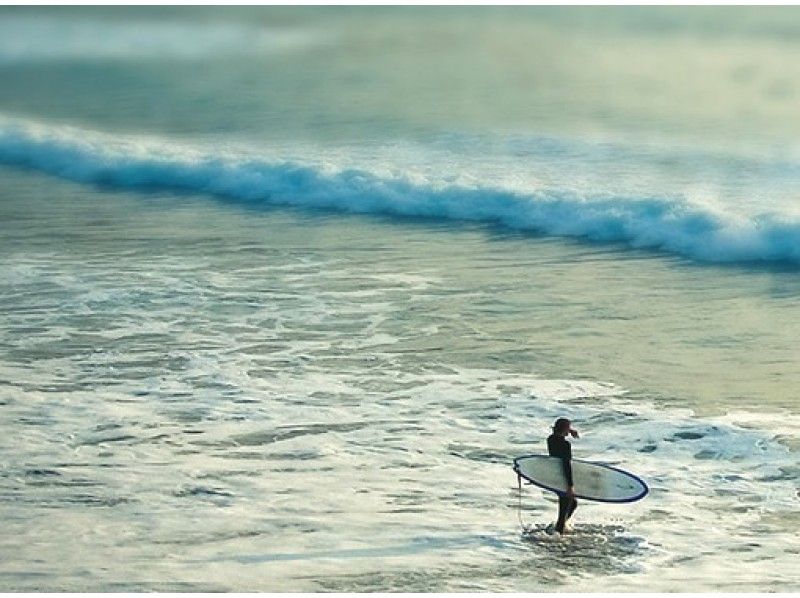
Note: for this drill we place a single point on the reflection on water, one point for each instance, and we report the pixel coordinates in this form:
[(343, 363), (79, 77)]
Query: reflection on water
[(594, 549), (534, 561)]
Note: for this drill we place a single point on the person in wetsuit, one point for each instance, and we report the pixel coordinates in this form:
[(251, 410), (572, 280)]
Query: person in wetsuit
[(559, 446)]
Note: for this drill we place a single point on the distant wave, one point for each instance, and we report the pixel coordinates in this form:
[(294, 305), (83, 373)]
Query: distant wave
[(41, 38), (671, 224)]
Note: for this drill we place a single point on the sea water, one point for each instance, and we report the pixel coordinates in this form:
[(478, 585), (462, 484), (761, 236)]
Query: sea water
[(285, 290)]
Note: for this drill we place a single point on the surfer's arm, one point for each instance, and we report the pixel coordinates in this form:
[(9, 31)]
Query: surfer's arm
[(568, 471), (567, 461)]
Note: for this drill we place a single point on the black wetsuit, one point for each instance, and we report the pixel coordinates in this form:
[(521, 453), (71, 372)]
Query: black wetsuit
[(557, 446)]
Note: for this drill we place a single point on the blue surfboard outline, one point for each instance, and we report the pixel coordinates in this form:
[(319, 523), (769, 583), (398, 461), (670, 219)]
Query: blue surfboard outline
[(561, 492)]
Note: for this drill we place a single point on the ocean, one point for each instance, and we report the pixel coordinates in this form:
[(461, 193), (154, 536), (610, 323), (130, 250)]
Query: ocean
[(284, 290)]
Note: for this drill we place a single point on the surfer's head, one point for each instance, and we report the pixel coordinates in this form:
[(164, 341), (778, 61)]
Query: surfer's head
[(563, 427)]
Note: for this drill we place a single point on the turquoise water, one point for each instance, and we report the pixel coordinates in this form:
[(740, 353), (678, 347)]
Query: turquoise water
[(286, 289)]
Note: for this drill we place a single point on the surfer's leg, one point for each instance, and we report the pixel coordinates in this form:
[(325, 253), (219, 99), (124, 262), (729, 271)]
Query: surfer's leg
[(572, 507), (563, 509)]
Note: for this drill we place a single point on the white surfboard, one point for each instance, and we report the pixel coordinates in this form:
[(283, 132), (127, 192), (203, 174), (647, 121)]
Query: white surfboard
[(593, 481)]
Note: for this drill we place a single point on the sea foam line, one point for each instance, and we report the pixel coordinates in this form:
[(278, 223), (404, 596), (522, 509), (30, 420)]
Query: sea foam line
[(671, 224)]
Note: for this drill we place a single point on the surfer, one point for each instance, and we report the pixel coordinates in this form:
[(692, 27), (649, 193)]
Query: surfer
[(559, 446)]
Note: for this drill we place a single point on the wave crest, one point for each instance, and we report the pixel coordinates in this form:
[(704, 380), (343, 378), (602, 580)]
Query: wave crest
[(671, 224)]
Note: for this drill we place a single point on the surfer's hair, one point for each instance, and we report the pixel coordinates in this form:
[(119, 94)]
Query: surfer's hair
[(562, 425)]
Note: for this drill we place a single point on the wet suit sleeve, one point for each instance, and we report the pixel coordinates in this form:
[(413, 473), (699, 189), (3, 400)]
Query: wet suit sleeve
[(567, 461)]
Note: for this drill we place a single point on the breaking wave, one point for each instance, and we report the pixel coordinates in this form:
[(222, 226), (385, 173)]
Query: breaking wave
[(672, 224)]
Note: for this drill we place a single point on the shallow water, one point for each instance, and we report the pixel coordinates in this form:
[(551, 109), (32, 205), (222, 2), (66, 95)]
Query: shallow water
[(206, 385)]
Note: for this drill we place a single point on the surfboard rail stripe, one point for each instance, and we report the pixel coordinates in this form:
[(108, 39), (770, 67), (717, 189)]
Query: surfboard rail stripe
[(642, 494)]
